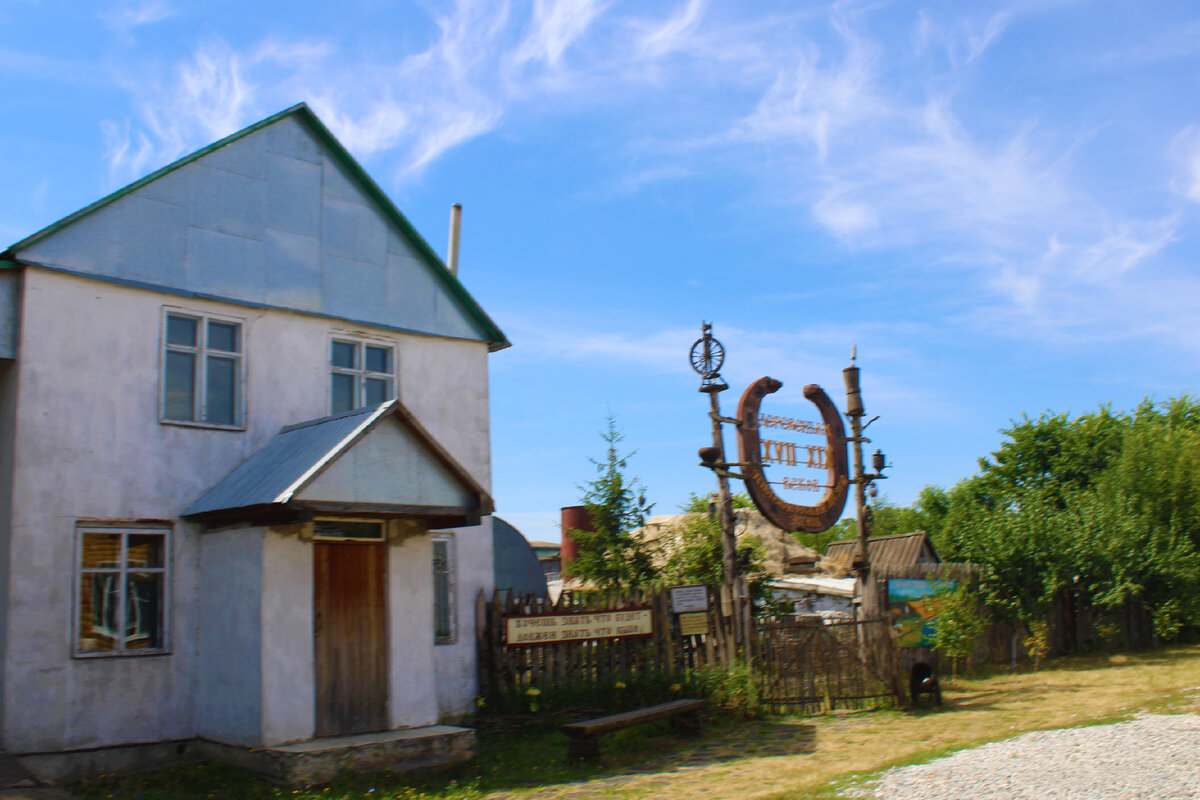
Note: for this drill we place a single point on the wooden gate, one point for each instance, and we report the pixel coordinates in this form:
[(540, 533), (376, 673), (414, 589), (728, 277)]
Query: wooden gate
[(350, 637), (808, 666)]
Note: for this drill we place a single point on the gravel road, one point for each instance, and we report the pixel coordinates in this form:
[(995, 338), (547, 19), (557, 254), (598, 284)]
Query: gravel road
[(1153, 756)]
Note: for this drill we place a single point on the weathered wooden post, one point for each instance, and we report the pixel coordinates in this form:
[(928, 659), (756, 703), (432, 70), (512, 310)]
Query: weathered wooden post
[(878, 637), (707, 356)]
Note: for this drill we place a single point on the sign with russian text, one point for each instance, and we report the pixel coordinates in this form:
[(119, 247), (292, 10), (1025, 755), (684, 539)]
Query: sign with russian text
[(759, 448), (685, 599), (693, 624), (555, 628)]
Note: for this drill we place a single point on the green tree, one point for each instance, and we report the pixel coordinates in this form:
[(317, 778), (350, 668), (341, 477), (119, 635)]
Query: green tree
[(697, 553), (610, 558), (960, 622), (1103, 508)]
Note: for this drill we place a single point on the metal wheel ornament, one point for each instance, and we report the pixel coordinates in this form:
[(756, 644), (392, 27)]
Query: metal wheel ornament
[(707, 356)]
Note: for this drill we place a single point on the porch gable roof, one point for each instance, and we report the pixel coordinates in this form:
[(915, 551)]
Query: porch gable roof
[(377, 461)]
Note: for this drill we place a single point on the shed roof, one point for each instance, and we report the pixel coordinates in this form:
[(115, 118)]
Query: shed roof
[(901, 549), (272, 483)]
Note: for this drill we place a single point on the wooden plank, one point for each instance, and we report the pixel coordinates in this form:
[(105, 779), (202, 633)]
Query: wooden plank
[(627, 719)]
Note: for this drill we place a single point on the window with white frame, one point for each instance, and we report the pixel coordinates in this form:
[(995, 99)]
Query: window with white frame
[(121, 594), (445, 622), (202, 370), (361, 374)]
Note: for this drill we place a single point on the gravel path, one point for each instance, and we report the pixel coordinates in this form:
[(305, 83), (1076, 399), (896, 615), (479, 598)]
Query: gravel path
[(1154, 756)]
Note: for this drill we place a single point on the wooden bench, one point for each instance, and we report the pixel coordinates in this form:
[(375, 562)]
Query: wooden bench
[(583, 737)]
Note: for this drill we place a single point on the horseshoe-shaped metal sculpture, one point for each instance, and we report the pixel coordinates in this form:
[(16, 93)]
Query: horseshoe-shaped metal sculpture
[(828, 509)]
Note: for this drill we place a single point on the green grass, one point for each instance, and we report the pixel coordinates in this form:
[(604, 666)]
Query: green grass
[(778, 758)]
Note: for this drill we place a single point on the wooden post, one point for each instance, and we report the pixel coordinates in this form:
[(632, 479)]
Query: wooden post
[(879, 644)]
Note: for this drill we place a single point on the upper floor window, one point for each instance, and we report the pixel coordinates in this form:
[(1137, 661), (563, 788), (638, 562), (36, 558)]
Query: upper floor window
[(121, 601), (361, 374), (202, 370)]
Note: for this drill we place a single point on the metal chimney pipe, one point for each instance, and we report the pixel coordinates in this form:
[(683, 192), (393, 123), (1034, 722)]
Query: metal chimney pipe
[(452, 248)]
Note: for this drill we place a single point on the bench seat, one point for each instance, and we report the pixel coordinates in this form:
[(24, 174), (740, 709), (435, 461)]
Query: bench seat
[(584, 736)]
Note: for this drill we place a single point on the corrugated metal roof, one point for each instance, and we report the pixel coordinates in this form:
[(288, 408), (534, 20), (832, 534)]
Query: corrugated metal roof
[(286, 462), (901, 549)]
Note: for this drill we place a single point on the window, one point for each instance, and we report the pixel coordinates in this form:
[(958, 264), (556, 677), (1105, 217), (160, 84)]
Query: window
[(122, 591), (361, 374), (445, 624), (202, 370)]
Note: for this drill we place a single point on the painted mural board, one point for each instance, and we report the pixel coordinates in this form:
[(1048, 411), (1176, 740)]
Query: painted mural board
[(553, 628), (914, 605)]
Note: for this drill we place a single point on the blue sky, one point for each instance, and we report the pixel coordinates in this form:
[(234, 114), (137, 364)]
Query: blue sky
[(996, 202)]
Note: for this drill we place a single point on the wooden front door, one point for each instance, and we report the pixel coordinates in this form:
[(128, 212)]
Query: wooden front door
[(350, 636)]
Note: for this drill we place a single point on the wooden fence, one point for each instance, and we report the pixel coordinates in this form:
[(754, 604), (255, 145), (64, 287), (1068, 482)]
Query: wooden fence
[(799, 666), (598, 662), (805, 666)]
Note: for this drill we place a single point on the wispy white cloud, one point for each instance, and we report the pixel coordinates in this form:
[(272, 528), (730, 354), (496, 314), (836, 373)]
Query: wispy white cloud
[(674, 34), (555, 26), (209, 96), (1185, 153), (123, 16), (885, 145)]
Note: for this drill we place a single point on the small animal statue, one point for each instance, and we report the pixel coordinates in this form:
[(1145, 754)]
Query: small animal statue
[(923, 680)]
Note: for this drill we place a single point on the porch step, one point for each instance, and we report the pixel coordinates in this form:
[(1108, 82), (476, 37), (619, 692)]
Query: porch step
[(319, 760), (17, 784)]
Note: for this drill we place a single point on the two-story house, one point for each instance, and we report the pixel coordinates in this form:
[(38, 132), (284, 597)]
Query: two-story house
[(244, 467)]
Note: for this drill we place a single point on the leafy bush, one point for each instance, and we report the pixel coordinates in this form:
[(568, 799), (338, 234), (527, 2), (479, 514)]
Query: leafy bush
[(731, 691)]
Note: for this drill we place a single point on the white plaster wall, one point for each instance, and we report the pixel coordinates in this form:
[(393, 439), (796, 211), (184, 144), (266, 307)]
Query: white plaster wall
[(455, 664), (229, 671), (8, 412), (444, 383), (88, 445), (412, 699), (287, 638), (10, 311)]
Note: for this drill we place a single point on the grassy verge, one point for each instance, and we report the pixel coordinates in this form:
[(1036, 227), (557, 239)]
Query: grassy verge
[(774, 759)]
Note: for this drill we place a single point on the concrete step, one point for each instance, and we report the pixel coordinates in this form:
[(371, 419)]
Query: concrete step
[(17, 784), (319, 760)]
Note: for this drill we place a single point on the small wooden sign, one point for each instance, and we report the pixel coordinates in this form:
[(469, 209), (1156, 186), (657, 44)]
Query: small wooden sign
[(689, 598), (693, 623), (553, 628)]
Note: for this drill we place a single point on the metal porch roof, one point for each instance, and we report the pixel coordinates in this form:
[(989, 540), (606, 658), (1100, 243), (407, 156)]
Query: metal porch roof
[(295, 456)]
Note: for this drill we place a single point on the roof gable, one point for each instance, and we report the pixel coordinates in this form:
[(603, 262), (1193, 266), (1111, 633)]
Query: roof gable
[(376, 460), (277, 215)]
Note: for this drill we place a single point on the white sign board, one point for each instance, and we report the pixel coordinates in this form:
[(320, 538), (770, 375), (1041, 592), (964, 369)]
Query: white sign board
[(685, 599), (554, 628)]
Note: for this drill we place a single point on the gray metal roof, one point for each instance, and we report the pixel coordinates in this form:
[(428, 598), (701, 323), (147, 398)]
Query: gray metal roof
[(288, 461), (515, 566)]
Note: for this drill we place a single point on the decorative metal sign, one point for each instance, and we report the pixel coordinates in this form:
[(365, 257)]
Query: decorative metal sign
[(552, 628), (754, 452)]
